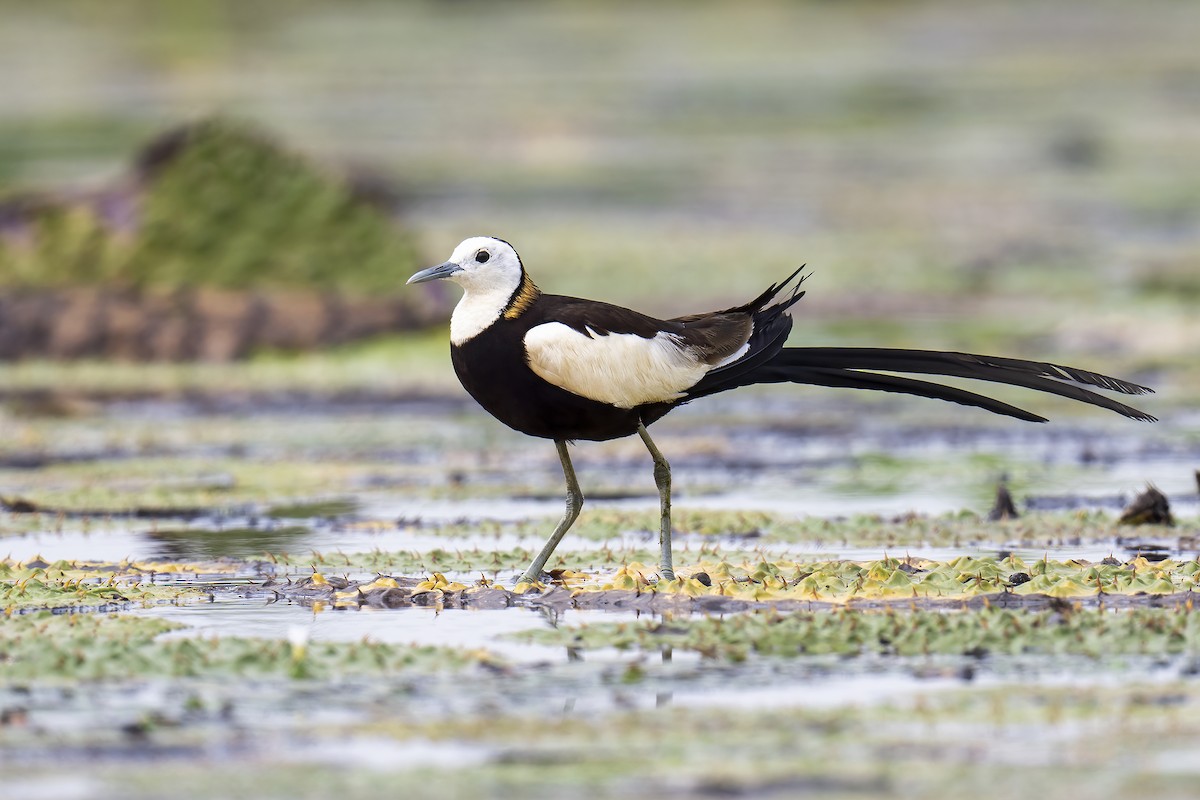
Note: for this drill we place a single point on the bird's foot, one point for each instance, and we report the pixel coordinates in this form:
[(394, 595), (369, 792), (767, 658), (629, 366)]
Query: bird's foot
[(530, 579)]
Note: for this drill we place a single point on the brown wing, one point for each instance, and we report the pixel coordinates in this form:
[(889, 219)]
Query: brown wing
[(716, 337)]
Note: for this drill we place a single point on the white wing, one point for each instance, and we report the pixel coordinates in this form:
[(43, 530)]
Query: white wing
[(621, 369)]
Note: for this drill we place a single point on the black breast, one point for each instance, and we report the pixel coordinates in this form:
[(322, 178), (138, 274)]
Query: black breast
[(492, 368)]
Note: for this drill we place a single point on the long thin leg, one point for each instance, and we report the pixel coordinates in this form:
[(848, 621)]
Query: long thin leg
[(574, 503), (662, 479)]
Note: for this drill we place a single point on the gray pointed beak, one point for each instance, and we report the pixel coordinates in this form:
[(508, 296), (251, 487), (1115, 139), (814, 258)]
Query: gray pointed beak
[(435, 273)]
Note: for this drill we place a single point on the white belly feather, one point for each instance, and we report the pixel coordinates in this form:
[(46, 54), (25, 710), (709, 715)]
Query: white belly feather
[(621, 369)]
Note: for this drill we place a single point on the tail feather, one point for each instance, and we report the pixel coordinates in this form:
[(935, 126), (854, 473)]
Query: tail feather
[(849, 368), (766, 360), (960, 365), (851, 379), (1040, 376), (757, 304)]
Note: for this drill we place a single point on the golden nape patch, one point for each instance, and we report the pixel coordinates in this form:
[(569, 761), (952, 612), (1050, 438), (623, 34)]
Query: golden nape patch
[(525, 297)]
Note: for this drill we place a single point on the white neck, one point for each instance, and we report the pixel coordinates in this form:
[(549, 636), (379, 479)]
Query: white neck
[(478, 309)]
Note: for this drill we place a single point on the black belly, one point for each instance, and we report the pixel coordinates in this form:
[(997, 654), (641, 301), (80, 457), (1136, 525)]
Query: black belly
[(494, 372)]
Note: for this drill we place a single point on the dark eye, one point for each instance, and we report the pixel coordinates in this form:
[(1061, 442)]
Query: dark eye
[(482, 256)]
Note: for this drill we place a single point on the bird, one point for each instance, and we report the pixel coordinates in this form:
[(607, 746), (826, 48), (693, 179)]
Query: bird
[(570, 369)]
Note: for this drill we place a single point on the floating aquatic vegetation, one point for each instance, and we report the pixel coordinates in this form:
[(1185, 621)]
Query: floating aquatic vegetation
[(49, 646), (315, 509), (886, 579), (1088, 632), (947, 530), (481, 560), (448, 559), (188, 486), (93, 585), (718, 587)]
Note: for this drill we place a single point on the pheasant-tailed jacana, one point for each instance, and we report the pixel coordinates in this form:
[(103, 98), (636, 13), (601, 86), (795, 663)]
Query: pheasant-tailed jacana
[(563, 368)]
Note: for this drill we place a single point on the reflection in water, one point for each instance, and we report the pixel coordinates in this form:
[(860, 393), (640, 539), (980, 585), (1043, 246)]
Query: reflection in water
[(471, 628), (204, 544)]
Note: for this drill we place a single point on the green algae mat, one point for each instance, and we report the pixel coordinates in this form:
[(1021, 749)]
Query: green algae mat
[(322, 600), (328, 601), (756, 672)]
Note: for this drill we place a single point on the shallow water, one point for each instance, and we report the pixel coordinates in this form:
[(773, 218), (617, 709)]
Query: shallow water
[(121, 545), (466, 628), (540, 680), (465, 492)]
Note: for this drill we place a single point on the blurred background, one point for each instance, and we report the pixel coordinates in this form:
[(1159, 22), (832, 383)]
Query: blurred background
[(1021, 176)]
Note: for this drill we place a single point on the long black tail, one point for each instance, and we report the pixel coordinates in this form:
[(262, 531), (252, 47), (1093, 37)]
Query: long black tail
[(859, 368)]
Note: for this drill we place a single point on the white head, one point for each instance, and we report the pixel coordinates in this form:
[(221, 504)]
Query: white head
[(479, 264), (489, 271)]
